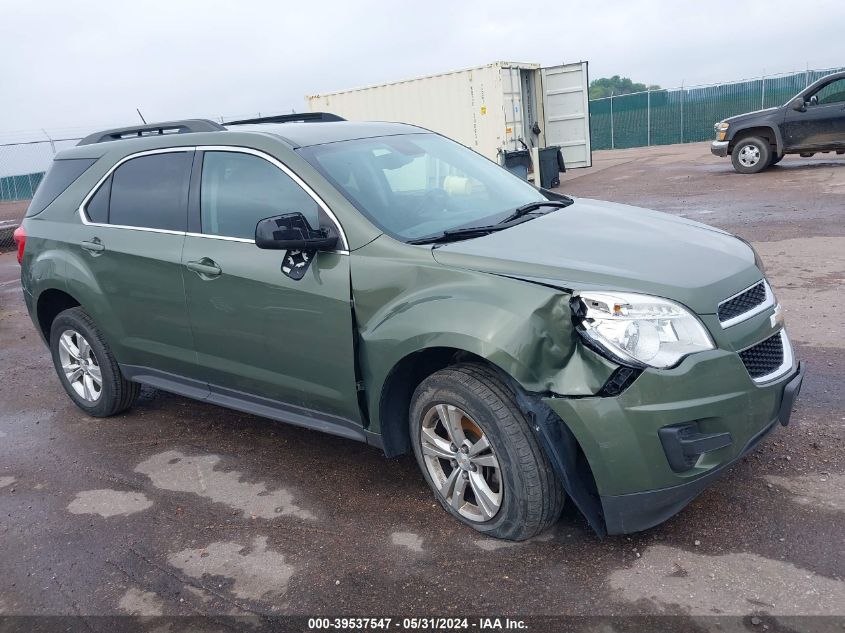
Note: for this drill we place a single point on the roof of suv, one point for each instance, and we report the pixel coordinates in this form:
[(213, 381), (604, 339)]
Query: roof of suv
[(307, 134), (316, 129)]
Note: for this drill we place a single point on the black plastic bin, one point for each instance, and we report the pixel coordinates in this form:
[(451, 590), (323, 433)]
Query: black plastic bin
[(551, 164), (517, 162)]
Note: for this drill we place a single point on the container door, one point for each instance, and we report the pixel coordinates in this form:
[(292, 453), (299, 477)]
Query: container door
[(567, 112), (512, 99)]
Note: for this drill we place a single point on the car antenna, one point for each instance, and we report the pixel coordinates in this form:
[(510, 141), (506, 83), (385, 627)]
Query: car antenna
[(141, 115)]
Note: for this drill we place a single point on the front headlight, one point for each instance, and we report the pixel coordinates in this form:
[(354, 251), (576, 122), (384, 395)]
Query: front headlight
[(639, 330), (721, 130)]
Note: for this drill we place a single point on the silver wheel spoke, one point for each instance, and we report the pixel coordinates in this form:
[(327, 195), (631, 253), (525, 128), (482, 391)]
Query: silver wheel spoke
[(479, 447), (95, 374), (435, 446), (481, 454), (86, 390), (486, 460), (93, 386), (451, 419), (457, 499), (449, 484), (66, 343), (84, 348), (487, 500)]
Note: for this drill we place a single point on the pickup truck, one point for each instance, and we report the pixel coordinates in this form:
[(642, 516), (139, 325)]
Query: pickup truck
[(811, 122)]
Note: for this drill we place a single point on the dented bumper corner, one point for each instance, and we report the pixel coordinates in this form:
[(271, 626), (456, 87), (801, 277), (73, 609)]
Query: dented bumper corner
[(637, 483)]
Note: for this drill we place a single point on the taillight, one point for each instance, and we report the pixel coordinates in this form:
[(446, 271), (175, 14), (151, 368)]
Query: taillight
[(20, 240)]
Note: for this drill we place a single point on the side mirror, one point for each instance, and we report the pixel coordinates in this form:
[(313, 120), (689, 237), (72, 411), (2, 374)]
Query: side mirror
[(798, 104), (291, 231)]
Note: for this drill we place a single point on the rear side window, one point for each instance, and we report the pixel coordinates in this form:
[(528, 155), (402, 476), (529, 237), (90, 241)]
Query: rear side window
[(239, 189), (60, 176), (98, 205), (149, 192)]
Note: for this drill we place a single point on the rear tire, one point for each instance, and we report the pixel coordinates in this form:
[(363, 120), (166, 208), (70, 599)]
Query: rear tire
[(507, 490), (751, 155), (86, 366)]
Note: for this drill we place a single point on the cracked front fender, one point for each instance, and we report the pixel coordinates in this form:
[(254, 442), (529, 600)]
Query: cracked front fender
[(405, 302)]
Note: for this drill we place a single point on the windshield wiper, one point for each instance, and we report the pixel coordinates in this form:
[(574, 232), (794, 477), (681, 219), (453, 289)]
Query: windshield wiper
[(453, 235), (525, 209)]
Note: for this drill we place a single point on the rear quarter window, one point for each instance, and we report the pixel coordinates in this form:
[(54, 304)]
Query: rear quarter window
[(60, 176), (98, 206)]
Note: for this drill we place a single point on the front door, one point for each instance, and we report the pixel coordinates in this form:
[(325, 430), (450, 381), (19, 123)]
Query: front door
[(258, 331), (822, 123)]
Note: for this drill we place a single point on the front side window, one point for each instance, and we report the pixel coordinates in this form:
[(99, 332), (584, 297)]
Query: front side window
[(240, 189), (415, 185), (834, 92), (146, 192)]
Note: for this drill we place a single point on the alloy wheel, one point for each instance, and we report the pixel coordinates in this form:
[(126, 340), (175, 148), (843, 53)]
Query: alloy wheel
[(749, 155), (80, 366), (461, 462)]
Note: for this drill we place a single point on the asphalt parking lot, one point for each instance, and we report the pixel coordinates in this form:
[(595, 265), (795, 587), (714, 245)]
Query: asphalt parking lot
[(182, 508)]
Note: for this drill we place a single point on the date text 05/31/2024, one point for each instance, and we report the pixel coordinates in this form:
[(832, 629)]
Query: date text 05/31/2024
[(415, 624)]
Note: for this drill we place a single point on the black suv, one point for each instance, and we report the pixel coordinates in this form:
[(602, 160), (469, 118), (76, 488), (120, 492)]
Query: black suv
[(813, 121)]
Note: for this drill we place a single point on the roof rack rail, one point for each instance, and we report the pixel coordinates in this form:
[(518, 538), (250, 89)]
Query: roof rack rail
[(300, 117), (152, 129)]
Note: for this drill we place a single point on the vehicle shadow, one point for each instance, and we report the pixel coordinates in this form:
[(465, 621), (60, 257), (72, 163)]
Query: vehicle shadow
[(785, 166)]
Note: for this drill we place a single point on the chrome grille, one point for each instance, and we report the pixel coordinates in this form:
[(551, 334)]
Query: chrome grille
[(744, 302)]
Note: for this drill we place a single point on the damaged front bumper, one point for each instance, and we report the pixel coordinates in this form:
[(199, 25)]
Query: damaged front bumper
[(639, 473)]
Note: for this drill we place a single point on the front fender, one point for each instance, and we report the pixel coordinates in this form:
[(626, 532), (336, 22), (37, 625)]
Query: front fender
[(770, 126), (405, 302)]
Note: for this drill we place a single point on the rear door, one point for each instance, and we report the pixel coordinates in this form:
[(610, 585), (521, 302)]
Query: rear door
[(260, 334), (567, 112), (130, 241)]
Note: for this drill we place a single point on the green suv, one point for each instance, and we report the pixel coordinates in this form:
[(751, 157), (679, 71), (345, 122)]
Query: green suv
[(380, 282)]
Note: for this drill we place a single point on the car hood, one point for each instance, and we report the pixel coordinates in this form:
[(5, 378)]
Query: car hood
[(747, 116), (603, 245)]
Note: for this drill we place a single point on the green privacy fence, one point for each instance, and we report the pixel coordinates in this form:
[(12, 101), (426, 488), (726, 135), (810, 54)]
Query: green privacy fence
[(684, 115), (21, 187), (23, 163)]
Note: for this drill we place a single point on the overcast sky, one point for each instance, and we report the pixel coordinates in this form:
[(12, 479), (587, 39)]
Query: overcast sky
[(66, 64)]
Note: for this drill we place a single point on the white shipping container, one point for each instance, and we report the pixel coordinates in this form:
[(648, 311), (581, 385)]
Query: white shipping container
[(503, 106)]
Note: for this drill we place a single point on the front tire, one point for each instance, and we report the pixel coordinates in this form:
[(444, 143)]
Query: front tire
[(479, 455), (86, 367), (751, 155)]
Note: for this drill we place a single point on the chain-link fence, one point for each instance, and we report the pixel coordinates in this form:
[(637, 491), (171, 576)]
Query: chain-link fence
[(22, 166), (685, 115)]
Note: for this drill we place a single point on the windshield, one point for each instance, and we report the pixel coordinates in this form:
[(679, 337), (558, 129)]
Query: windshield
[(414, 185)]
